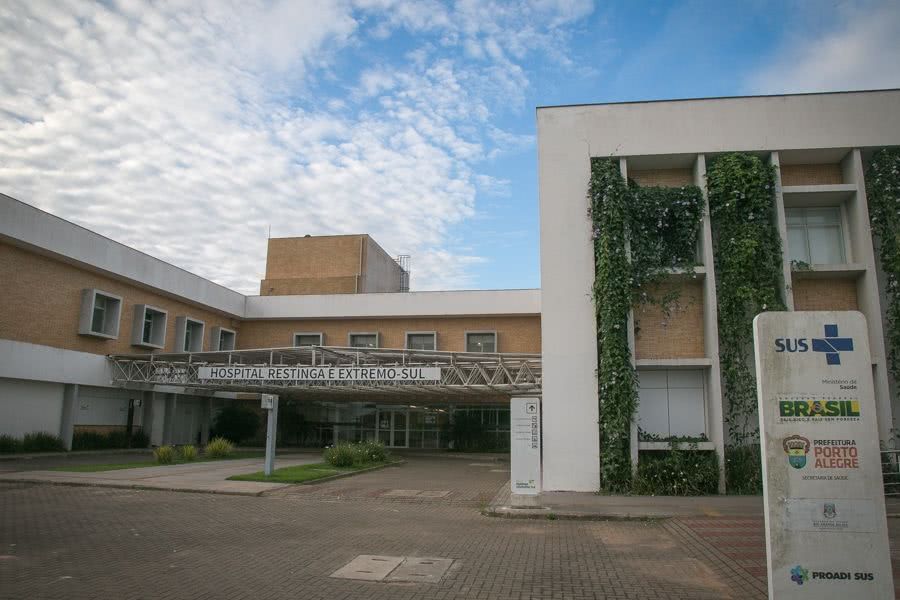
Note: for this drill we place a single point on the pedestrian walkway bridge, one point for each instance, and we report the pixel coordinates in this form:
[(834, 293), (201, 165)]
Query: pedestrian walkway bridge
[(365, 373)]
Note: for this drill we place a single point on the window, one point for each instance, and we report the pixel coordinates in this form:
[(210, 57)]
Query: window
[(363, 340), (189, 332), (148, 329), (100, 313), (815, 235), (421, 340), (222, 339), (672, 402), (481, 341), (308, 339)]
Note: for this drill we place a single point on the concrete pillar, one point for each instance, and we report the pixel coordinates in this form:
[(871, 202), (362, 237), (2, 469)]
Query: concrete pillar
[(171, 402), (69, 410), (715, 425), (205, 418), (147, 414)]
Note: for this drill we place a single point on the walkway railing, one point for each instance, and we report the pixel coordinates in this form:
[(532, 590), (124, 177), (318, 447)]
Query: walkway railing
[(461, 373)]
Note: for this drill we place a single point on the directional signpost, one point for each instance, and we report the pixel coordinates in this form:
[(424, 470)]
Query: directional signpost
[(525, 449), (826, 531)]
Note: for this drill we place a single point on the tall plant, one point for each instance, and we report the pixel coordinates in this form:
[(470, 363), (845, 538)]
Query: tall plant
[(638, 234), (883, 183), (617, 380), (747, 251)]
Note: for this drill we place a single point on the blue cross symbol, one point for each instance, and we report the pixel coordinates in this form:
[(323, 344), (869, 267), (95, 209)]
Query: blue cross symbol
[(832, 345)]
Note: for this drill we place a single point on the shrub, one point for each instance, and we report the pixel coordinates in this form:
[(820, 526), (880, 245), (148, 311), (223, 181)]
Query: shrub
[(188, 453), (677, 472), (139, 440), (743, 469), (347, 454), (41, 441), (164, 455), (10, 444), (371, 452), (219, 447), (342, 455), (237, 423)]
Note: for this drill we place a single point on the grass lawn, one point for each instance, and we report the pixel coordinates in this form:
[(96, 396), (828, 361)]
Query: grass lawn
[(149, 462), (303, 473)]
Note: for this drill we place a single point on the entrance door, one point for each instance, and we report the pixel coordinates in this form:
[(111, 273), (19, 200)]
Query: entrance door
[(393, 427)]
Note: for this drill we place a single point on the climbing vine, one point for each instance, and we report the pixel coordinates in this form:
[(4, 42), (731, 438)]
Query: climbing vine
[(883, 182), (747, 250), (638, 233)]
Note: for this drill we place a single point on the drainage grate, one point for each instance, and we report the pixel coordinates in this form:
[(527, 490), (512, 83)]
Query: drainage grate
[(368, 567)]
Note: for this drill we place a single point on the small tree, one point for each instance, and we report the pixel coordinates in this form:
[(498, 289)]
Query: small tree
[(237, 422)]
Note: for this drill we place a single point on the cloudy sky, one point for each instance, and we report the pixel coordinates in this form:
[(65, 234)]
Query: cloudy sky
[(189, 129)]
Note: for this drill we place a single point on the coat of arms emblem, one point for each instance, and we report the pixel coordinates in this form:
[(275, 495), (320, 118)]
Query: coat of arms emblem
[(796, 447)]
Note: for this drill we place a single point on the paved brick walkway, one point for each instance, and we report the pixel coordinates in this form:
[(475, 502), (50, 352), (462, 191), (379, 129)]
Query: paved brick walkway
[(76, 542)]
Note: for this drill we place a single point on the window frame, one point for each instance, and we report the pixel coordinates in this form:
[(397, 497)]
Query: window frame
[(215, 340), (112, 315), (351, 334), (482, 332), (320, 335), (181, 329), (841, 225), (433, 335), (158, 326)]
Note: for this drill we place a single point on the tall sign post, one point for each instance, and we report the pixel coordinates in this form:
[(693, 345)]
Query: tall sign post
[(269, 403), (525, 450), (826, 531)]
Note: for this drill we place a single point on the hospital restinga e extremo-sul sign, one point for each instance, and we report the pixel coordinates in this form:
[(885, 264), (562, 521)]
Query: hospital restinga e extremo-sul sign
[(325, 373), (826, 531)]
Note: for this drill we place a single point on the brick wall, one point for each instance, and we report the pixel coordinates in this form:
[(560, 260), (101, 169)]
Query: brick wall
[(826, 174), (310, 285), (662, 177), (41, 304), (678, 335), (514, 334), (825, 294)]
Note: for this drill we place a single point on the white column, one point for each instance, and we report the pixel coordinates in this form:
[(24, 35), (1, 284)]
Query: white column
[(715, 426), (168, 433), (69, 410)]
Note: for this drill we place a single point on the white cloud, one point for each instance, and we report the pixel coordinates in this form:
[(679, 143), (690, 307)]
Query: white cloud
[(186, 129), (859, 53)]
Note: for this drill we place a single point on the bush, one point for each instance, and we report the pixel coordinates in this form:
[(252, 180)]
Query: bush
[(371, 452), (91, 440), (188, 453), (219, 447), (359, 454), (41, 441), (10, 444), (342, 455), (743, 469), (677, 472), (164, 455), (236, 423)]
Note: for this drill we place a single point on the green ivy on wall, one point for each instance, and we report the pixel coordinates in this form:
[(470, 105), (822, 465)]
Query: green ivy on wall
[(883, 183), (748, 262), (638, 234)]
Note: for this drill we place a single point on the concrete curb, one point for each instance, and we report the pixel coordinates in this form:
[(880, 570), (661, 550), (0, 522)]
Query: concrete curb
[(75, 453), (137, 486), (349, 474), (547, 514)]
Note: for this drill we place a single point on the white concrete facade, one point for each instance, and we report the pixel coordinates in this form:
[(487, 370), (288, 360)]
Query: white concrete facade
[(681, 134)]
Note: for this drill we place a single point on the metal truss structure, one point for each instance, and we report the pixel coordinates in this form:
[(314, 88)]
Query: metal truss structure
[(469, 376)]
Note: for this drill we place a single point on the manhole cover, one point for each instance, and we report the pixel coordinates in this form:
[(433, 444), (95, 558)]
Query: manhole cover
[(413, 569), (421, 570), (368, 567)]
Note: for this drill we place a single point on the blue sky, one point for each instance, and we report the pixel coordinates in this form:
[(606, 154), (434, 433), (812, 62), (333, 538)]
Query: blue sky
[(187, 129)]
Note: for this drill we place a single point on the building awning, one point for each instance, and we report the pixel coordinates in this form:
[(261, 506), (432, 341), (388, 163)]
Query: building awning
[(370, 374)]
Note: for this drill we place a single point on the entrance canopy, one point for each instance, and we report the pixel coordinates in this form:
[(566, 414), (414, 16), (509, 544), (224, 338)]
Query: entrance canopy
[(318, 371)]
